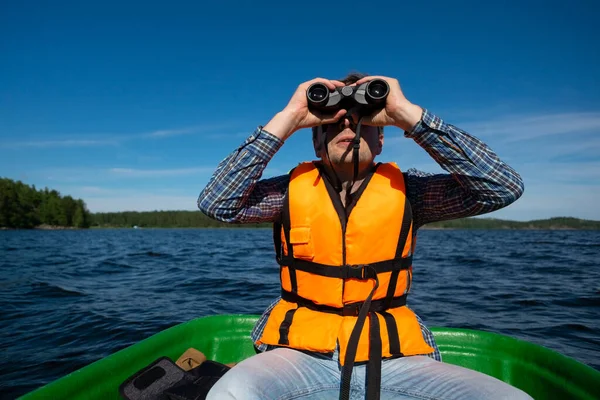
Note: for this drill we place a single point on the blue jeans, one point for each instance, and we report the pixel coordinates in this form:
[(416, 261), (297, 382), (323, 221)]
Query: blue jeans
[(284, 374)]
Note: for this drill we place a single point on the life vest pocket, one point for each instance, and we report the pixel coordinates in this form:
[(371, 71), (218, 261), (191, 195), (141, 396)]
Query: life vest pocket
[(300, 239)]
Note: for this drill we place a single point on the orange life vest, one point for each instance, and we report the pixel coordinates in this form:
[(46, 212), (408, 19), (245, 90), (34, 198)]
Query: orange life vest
[(334, 265)]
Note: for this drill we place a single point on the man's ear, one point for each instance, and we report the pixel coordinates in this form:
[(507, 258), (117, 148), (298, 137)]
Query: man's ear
[(380, 140)]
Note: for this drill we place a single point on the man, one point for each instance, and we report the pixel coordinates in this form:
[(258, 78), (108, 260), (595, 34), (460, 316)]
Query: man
[(344, 238)]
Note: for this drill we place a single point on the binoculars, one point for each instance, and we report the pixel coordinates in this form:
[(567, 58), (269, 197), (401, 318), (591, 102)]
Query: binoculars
[(365, 97)]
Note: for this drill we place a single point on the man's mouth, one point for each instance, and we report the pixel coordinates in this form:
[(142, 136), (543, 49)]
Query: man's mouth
[(347, 139)]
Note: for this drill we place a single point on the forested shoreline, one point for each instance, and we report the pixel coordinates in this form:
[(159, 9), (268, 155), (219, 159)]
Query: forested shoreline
[(25, 207)]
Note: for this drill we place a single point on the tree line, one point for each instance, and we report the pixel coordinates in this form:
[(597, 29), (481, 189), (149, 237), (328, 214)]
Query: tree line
[(162, 219), (196, 219), (23, 206), (492, 223)]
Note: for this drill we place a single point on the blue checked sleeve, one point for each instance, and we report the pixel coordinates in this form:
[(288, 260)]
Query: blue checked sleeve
[(478, 181), (236, 193)]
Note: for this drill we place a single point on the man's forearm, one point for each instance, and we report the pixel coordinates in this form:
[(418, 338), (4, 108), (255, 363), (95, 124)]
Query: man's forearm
[(235, 192), (282, 125)]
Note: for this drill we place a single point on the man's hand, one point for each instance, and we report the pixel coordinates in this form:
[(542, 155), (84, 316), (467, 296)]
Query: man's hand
[(296, 115), (398, 110)]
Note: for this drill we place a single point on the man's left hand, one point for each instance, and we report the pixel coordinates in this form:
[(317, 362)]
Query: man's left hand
[(398, 110)]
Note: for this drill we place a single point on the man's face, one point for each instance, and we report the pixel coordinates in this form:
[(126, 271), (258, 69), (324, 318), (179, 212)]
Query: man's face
[(340, 137)]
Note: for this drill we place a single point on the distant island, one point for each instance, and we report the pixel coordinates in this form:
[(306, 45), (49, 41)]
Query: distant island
[(25, 207), (556, 223)]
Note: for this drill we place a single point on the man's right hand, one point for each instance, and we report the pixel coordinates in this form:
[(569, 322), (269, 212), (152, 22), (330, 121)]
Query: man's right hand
[(296, 115)]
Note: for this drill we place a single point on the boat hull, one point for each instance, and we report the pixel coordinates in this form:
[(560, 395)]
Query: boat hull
[(541, 372)]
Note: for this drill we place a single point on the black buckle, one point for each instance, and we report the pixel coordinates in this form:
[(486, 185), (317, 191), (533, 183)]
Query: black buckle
[(358, 271), (351, 310)]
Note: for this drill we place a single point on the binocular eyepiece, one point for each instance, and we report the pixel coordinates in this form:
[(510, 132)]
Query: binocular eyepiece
[(366, 97)]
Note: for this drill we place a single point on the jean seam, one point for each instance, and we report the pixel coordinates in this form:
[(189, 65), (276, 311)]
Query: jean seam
[(411, 393), (312, 390)]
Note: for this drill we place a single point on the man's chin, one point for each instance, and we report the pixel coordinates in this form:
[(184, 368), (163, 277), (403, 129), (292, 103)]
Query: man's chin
[(342, 162)]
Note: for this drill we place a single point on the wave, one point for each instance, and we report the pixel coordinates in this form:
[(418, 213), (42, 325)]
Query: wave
[(50, 290)]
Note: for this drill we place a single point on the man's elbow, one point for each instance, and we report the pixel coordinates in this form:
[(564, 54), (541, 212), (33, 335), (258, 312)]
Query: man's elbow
[(208, 208), (212, 211), (203, 205), (511, 192), (517, 189)]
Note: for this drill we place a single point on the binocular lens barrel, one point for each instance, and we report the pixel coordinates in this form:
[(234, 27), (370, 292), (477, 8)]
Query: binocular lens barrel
[(377, 89), (318, 93)]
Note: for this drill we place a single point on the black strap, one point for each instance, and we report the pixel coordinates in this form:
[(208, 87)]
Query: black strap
[(284, 328), (285, 221), (353, 344), (394, 337), (277, 240), (338, 183), (349, 310), (404, 230), (358, 271), (355, 149), (277, 224), (374, 364)]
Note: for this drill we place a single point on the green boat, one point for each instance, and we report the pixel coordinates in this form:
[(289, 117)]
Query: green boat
[(541, 372)]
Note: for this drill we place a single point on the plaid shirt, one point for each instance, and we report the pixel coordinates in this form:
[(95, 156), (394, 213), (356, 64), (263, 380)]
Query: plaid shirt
[(478, 182)]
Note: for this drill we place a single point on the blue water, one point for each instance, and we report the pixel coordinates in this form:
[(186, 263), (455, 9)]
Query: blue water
[(68, 298)]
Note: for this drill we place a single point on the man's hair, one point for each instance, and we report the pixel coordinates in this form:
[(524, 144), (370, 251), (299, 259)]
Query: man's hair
[(352, 78), (347, 80)]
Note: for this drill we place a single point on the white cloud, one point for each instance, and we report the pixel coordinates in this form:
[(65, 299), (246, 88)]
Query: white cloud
[(88, 177), (93, 190), (156, 173), (207, 130), (140, 202), (227, 135), (518, 128), (171, 132), (560, 176), (547, 201), (112, 139), (114, 199), (61, 143)]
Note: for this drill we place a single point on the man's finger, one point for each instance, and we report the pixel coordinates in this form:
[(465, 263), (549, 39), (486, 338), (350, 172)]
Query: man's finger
[(328, 118), (330, 84), (370, 78)]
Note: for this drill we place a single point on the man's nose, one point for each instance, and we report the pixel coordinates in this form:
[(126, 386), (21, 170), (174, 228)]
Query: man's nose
[(348, 122), (352, 118)]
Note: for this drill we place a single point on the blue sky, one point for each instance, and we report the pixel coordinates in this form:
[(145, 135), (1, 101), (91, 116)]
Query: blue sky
[(130, 106)]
